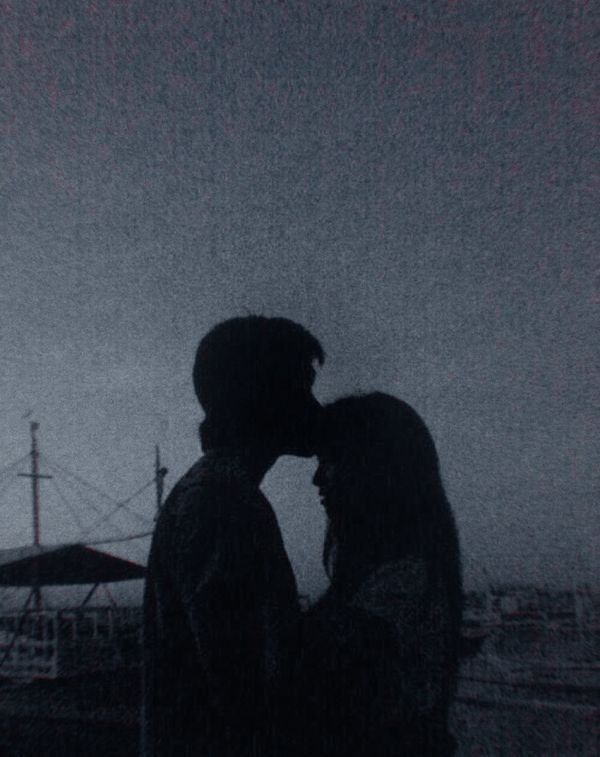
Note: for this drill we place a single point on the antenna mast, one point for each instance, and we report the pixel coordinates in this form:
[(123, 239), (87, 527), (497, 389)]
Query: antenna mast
[(159, 478), (35, 476)]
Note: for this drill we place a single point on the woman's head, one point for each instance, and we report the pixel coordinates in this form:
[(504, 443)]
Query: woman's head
[(379, 481), (373, 449)]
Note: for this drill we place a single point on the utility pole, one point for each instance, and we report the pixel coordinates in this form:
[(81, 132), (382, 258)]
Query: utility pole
[(35, 477), (159, 479)]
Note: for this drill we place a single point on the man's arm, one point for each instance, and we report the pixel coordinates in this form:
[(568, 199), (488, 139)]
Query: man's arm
[(215, 575)]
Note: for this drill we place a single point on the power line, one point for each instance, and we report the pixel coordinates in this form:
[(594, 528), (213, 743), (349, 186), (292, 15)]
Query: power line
[(132, 537), (141, 518), (6, 481), (14, 464), (103, 515), (119, 506), (70, 507), (99, 511), (6, 487), (82, 481)]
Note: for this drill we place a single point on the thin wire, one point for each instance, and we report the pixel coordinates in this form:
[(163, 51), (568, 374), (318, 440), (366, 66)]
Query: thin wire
[(82, 481), (70, 507), (141, 518), (134, 542), (119, 503), (99, 511), (15, 462), (6, 487), (132, 537), (104, 516), (102, 513), (7, 469), (119, 506)]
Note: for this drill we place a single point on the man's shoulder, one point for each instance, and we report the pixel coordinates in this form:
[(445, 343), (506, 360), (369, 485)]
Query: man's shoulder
[(194, 496), (204, 493)]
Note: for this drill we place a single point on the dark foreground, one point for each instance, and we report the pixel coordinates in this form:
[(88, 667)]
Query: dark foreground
[(98, 715), (95, 715)]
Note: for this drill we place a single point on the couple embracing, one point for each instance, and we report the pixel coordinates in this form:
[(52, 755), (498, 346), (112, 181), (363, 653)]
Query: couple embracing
[(232, 666)]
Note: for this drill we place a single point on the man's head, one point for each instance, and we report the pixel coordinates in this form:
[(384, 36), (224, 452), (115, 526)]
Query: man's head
[(253, 377)]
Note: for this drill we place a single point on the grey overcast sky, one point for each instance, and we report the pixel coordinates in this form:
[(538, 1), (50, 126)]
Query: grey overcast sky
[(412, 181)]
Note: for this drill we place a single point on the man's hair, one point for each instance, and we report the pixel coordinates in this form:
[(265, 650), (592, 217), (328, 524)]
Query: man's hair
[(246, 365)]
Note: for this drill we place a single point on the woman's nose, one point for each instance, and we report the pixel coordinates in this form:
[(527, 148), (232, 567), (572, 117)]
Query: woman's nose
[(317, 477)]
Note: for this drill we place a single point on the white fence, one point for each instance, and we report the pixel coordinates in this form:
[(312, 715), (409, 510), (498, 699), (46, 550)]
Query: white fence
[(66, 642)]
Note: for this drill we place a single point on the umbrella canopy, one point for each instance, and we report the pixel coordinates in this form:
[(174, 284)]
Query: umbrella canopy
[(64, 565)]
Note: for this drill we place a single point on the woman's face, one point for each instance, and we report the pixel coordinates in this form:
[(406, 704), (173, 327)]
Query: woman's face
[(324, 478), (335, 480)]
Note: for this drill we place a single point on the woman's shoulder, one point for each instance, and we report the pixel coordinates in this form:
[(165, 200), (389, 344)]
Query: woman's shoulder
[(336, 615), (397, 582), (342, 638), (396, 586), (404, 576)]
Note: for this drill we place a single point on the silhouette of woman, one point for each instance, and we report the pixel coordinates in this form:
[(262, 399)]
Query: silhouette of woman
[(380, 648)]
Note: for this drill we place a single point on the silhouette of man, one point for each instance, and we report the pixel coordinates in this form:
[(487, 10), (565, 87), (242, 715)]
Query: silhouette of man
[(221, 606)]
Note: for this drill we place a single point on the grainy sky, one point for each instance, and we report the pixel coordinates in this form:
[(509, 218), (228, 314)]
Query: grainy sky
[(413, 181)]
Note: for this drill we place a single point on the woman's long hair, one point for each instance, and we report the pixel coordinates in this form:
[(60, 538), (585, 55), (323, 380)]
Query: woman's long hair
[(393, 504)]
